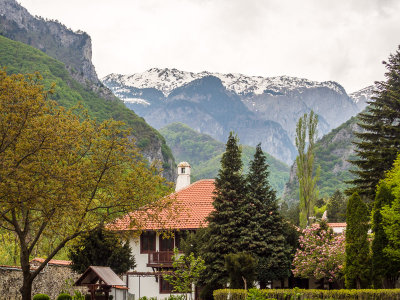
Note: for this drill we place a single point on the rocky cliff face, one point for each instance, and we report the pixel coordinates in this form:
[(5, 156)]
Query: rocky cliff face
[(258, 109), (74, 49)]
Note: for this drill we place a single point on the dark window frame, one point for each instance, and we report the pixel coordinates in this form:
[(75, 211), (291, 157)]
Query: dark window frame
[(148, 234), (162, 242), (166, 291)]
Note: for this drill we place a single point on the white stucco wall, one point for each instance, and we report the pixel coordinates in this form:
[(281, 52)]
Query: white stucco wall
[(144, 286)]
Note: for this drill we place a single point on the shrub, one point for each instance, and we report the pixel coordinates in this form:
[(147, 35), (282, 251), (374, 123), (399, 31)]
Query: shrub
[(302, 294), (41, 297), (64, 296)]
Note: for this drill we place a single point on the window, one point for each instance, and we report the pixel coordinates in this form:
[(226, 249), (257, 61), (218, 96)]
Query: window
[(166, 244), (165, 287), (147, 242), (183, 170)]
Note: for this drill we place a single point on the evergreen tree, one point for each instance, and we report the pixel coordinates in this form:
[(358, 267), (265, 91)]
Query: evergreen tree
[(263, 235), (241, 268), (357, 245), (384, 268), (380, 139), (306, 132), (223, 235), (336, 207), (101, 248)]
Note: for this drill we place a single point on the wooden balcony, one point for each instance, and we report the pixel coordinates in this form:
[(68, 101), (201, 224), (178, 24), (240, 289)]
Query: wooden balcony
[(160, 259)]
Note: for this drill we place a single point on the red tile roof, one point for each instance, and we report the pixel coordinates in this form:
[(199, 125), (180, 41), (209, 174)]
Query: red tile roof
[(52, 261), (189, 209), (337, 224)]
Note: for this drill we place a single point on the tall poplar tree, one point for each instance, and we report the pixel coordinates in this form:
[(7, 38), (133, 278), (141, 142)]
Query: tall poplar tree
[(357, 268), (223, 235), (263, 236), (380, 136), (306, 134)]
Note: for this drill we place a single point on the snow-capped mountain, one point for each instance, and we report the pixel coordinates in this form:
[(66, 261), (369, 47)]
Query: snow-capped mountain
[(258, 109), (166, 80), (362, 96)]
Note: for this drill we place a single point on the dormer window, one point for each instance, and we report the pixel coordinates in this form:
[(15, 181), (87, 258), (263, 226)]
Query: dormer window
[(182, 170)]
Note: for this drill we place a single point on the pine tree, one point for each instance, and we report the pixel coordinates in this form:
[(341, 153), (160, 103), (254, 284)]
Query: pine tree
[(336, 207), (357, 245), (101, 248), (263, 235), (223, 236), (380, 138), (383, 267)]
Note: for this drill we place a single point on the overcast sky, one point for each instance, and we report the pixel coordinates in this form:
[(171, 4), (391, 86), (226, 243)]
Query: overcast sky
[(341, 40)]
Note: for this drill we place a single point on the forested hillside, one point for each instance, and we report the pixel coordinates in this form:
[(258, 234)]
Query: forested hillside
[(204, 154), (332, 153), (17, 57)]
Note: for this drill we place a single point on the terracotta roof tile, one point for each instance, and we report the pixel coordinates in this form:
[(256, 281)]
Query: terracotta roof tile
[(337, 224), (190, 207), (52, 261)]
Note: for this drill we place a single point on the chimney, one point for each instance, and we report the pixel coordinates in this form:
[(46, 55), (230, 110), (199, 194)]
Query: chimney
[(183, 179)]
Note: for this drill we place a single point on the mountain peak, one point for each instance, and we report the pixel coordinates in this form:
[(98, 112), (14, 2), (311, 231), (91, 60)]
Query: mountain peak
[(167, 79)]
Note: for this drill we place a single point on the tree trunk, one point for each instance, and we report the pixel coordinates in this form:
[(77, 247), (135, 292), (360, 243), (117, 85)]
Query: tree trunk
[(263, 285), (26, 289)]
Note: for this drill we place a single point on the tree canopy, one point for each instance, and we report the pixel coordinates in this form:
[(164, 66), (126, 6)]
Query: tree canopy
[(61, 174), (306, 134), (357, 271), (101, 248), (380, 136)]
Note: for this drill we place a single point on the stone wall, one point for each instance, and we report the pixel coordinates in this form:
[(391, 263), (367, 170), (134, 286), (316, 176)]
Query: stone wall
[(51, 281)]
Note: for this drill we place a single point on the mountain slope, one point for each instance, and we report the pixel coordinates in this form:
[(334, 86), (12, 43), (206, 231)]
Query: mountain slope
[(204, 154), (332, 153), (269, 110), (20, 58)]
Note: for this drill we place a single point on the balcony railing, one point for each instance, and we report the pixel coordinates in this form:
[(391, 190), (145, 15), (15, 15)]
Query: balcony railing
[(160, 259)]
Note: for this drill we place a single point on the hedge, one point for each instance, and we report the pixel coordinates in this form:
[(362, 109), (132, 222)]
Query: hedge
[(302, 294)]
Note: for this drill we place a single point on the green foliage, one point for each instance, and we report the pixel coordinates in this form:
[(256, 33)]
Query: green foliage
[(78, 296), (303, 294), (222, 235), (204, 153), (263, 230), (187, 269), (41, 297), (101, 248), (357, 268), (64, 296), (336, 207), (380, 139), (241, 268), (20, 58), (230, 294), (306, 133), (384, 267)]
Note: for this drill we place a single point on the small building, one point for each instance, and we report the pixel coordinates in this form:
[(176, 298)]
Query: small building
[(153, 248)]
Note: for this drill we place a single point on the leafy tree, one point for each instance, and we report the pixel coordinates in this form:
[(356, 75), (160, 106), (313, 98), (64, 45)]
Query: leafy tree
[(223, 236), (263, 233), (61, 174), (241, 268), (384, 268), (380, 136), (336, 207), (186, 271), (357, 246), (306, 133), (101, 248), (320, 254)]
